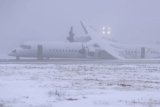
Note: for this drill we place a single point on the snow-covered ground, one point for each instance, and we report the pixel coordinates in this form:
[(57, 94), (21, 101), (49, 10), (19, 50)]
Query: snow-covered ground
[(77, 85)]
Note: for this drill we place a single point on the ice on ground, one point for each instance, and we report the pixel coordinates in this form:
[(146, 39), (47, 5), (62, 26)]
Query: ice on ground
[(88, 85)]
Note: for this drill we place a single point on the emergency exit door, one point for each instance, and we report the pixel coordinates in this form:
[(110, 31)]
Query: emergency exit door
[(143, 52), (39, 52)]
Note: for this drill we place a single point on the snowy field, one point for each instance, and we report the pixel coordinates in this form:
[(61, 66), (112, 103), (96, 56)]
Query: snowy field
[(80, 85)]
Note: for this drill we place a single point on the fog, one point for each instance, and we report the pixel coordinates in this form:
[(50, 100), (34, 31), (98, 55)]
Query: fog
[(132, 21)]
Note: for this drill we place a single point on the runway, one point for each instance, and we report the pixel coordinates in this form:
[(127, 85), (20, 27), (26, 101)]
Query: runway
[(79, 61)]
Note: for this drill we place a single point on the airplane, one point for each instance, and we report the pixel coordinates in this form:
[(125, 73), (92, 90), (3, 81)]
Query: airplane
[(96, 46), (75, 48), (47, 50)]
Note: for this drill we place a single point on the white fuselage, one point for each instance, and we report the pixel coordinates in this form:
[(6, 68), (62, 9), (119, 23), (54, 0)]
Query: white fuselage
[(78, 50), (136, 51), (49, 50)]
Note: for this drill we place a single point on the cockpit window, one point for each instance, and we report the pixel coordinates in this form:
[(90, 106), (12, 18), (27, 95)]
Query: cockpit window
[(25, 46)]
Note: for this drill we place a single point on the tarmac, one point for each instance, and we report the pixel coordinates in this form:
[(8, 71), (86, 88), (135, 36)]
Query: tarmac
[(79, 61)]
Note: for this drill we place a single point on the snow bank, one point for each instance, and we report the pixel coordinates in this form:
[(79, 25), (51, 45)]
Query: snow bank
[(88, 85)]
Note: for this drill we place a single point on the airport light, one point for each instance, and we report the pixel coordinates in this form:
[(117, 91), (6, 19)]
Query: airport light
[(106, 30), (103, 32), (103, 28)]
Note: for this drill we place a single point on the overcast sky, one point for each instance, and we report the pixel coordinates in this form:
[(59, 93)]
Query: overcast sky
[(133, 21)]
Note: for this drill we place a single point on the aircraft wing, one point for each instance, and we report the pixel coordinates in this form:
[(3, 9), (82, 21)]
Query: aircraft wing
[(105, 46), (98, 39)]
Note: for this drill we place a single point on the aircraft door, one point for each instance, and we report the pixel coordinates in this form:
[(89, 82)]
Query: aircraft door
[(39, 52), (143, 52)]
